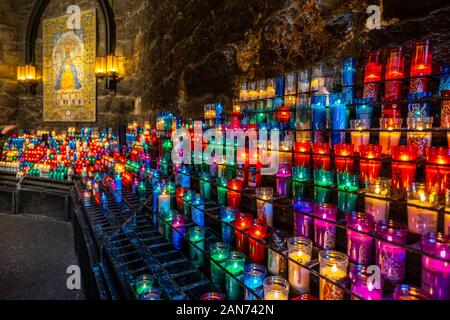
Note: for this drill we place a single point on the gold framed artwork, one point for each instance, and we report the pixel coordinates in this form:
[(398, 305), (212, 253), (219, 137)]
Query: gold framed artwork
[(69, 69)]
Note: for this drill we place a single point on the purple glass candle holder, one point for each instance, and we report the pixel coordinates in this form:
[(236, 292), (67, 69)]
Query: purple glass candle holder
[(407, 292), (325, 232), (436, 273), (303, 223), (359, 246), (390, 257), (284, 180), (363, 286)]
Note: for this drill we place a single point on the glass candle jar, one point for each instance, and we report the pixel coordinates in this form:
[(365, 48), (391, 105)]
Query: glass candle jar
[(302, 154), (198, 210), (143, 283), (359, 246), (333, 266), (228, 216), (276, 288), (321, 156), (323, 180), (324, 232), (363, 285), (212, 296), (390, 257), (436, 172), (254, 276), (436, 273), (243, 92), (235, 267), (403, 168), (447, 212), (348, 184), (165, 225), (234, 193), (372, 74), (319, 118), (264, 205), (243, 222), (300, 181), (421, 65), (303, 218), (348, 69), (360, 135), (407, 292), (420, 137), (283, 180), (178, 230), (205, 185), (369, 163), (389, 137), (197, 246), (343, 159), (338, 118), (222, 191), (422, 217), (445, 123), (219, 254), (256, 247), (152, 294), (277, 248), (377, 198), (300, 251), (395, 71)]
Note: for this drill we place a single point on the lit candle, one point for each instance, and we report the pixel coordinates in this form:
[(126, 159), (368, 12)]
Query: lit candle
[(388, 137), (407, 292), (421, 216), (395, 67), (303, 218), (348, 184), (300, 181), (235, 267), (163, 202), (323, 180), (256, 249), (421, 65), (359, 135), (390, 257), (228, 218), (205, 185), (302, 154), (234, 193), (198, 210), (219, 254), (321, 156), (300, 251), (435, 171), (333, 266), (212, 296), (276, 288), (377, 198), (197, 237), (369, 163), (372, 75), (436, 273), (180, 197), (165, 227), (254, 276), (403, 171), (325, 232), (276, 262), (338, 118), (319, 117), (187, 207), (178, 223), (363, 286), (359, 246), (222, 191), (264, 205), (143, 283), (419, 137), (242, 224), (344, 157)]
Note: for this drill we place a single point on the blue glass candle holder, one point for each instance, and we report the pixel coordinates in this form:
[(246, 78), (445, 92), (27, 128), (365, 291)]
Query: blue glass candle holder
[(419, 109), (228, 215), (198, 210), (338, 118), (363, 109), (348, 70), (254, 276), (319, 117)]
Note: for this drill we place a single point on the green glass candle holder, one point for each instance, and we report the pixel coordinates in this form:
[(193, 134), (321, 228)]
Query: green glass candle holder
[(222, 191), (347, 185), (235, 267), (197, 237), (300, 181), (322, 180), (219, 254)]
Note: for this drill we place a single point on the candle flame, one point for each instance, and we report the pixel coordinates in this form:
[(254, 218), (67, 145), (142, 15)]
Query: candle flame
[(443, 254), (334, 269)]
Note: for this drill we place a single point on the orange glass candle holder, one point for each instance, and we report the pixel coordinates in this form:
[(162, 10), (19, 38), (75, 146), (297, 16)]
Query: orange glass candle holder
[(302, 156), (343, 160), (388, 136), (436, 171), (321, 156), (369, 164), (403, 172)]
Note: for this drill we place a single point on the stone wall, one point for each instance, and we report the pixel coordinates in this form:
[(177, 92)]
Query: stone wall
[(184, 53)]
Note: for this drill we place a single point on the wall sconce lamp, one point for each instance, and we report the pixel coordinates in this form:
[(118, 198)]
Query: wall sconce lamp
[(110, 67), (26, 75)]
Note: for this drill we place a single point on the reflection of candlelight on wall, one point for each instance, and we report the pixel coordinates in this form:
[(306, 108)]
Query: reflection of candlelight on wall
[(421, 216), (436, 171), (436, 273), (390, 138), (359, 134), (197, 237), (369, 163), (377, 198), (390, 257), (403, 172), (359, 246), (344, 161), (333, 266), (325, 232)]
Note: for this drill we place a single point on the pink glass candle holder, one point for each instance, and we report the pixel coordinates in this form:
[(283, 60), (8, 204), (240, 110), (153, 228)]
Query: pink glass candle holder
[(321, 156), (359, 246), (436, 171), (325, 232), (389, 137), (436, 273), (234, 193), (403, 171), (363, 285), (369, 164), (343, 160), (390, 257)]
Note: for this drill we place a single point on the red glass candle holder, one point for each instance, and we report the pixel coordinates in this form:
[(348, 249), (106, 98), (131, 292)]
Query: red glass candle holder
[(395, 69), (234, 193), (243, 222), (372, 75), (343, 160), (302, 156), (321, 156), (180, 197), (369, 164), (284, 114), (256, 249), (421, 65), (235, 120), (436, 171), (403, 173)]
